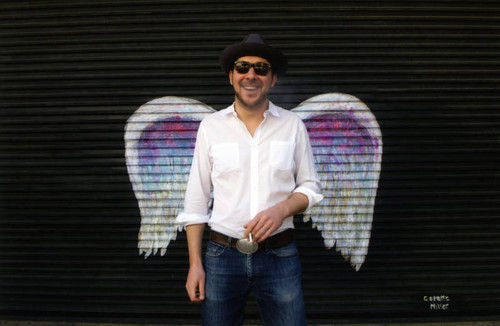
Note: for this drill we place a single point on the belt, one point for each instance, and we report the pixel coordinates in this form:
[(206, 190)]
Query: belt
[(273, 242)]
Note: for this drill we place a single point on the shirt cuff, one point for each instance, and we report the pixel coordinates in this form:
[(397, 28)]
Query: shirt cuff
[(185, 219), (312, 196)]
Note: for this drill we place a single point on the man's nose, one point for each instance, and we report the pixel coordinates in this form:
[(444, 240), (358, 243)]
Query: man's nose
[(251, 73)]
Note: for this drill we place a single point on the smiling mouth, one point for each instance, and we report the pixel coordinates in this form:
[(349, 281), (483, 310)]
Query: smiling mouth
[(250, 88)]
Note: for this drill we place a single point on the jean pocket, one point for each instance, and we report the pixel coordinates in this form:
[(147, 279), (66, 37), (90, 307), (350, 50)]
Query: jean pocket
[(215, 249), (289, 250)]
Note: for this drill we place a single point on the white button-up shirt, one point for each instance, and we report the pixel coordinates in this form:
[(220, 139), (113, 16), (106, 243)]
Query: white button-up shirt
[(248, 174)]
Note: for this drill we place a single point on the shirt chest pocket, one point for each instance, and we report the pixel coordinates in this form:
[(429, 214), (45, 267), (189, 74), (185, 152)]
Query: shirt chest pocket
[(281, 154), (226, 157)]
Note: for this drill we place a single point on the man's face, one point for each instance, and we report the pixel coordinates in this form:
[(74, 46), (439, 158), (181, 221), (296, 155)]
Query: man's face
[(251, 89)]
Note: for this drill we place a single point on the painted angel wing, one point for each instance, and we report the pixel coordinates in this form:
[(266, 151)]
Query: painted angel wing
[(347, 145), (159, 145)]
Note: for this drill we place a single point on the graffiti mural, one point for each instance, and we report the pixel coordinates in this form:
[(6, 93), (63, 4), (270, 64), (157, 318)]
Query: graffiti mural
[(347, 146)]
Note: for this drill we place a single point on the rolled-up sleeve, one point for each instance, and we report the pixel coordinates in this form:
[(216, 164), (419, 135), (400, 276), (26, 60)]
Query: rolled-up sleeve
[(307, 178), (197, 197)]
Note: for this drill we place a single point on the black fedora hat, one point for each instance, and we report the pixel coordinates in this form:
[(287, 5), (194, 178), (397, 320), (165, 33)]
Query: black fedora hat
[(253, 45)]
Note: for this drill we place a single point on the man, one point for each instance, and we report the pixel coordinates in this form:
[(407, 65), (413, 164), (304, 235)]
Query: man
[(256, 159)]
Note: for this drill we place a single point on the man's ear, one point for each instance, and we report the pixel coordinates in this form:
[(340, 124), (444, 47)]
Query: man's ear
[(230, 77), (275, 78)]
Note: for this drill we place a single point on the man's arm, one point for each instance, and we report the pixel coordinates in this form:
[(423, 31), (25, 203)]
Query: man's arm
[(269, 220), (195, 284)]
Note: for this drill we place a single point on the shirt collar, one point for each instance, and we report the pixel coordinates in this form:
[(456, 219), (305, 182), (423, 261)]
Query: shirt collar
[(273, 110)]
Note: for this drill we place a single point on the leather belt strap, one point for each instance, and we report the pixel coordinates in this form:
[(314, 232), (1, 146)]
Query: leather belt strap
[(276, 241)]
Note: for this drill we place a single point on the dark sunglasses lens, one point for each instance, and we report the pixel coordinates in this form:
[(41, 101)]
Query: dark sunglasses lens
[(261, 68), (242, 67)]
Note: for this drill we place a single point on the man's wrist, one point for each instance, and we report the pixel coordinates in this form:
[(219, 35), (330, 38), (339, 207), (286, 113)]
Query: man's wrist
[(295, 204), (195, 262)]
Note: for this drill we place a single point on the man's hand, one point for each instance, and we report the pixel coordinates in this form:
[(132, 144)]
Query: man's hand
[(264, 224), (269, 220), (195, 284)]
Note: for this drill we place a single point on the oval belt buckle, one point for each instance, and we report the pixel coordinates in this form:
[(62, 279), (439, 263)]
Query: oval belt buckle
[(246, 246)]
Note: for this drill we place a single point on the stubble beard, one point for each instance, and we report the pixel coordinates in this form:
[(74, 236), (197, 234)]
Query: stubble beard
[(251, 104)]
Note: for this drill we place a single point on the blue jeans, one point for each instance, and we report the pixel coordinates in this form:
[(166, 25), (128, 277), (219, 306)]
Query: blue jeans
[(274, 276)]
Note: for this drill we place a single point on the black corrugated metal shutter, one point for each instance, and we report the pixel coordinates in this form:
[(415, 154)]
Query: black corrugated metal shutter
[(72, 72)]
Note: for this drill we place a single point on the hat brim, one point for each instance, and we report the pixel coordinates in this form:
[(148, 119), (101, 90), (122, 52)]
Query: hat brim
[(230, 54)]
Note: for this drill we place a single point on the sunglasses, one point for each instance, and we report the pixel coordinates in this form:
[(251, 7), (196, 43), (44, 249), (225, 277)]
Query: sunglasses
[(260, 68)]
